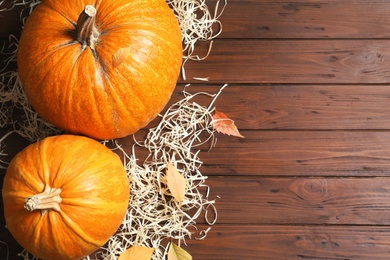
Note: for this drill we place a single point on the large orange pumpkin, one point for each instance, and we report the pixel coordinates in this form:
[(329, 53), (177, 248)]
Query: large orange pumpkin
[(65, 196), (102, 68)]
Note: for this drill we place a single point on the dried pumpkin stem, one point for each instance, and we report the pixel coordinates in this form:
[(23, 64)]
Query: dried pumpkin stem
[(87, 33), (49, 199)]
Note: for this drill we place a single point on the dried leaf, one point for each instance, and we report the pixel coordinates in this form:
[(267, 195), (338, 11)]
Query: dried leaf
[(225, 125), (177, 253), (120, 56), (137, 252), (176, 183)]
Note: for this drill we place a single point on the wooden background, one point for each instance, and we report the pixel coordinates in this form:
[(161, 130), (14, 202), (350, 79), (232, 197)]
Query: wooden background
[(308, 88)]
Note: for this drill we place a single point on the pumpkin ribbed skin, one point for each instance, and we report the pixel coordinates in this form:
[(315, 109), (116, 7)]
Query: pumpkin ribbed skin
[(77, 88), (95, 195)]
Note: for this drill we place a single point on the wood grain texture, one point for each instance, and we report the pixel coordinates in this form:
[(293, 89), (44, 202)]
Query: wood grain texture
[(300, 201), (300, 107), (265, 19), (293, 153), (301, 153), (274, 242), (278, 19), (294, 61)]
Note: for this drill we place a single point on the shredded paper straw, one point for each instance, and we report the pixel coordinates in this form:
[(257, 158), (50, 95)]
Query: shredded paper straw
[(153, 218)]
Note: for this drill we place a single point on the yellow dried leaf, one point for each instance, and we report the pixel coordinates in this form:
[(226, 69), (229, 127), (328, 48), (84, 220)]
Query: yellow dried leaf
[(177, 253), (137, 252), (176, 183), (120, 56), (225, 125)]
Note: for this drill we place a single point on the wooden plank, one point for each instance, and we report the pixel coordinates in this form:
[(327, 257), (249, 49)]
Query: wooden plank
[(278, 242), (302, 200), (292, 242), (300, 107), (300, 153), (293, 153), (299, 201), (306, 19), (279, 19), (296, 201), (294, 61)]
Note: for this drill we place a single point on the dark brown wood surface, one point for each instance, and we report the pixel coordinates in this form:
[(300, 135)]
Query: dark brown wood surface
[(309, 90)]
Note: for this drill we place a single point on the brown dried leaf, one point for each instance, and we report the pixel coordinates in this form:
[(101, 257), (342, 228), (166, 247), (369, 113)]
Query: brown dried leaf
[(177, 253), (137, 252), (223, 124), (120, 56), (176, 183)]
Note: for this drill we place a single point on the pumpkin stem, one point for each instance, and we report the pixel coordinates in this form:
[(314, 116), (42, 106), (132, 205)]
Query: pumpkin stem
[(87, 34), (47, 200)]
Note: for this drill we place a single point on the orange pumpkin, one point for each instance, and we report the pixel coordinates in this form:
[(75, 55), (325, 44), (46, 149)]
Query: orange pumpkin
[(101, 68), (65, 196)]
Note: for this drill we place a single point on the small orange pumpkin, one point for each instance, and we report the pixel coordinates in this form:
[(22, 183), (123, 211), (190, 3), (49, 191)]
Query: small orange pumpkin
[(101, 68), (65, 196)]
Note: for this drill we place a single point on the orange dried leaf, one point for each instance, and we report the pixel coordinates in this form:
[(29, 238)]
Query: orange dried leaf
[(176, 183), (177, 253), (223, 124), (137, 252), (120, 56)]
